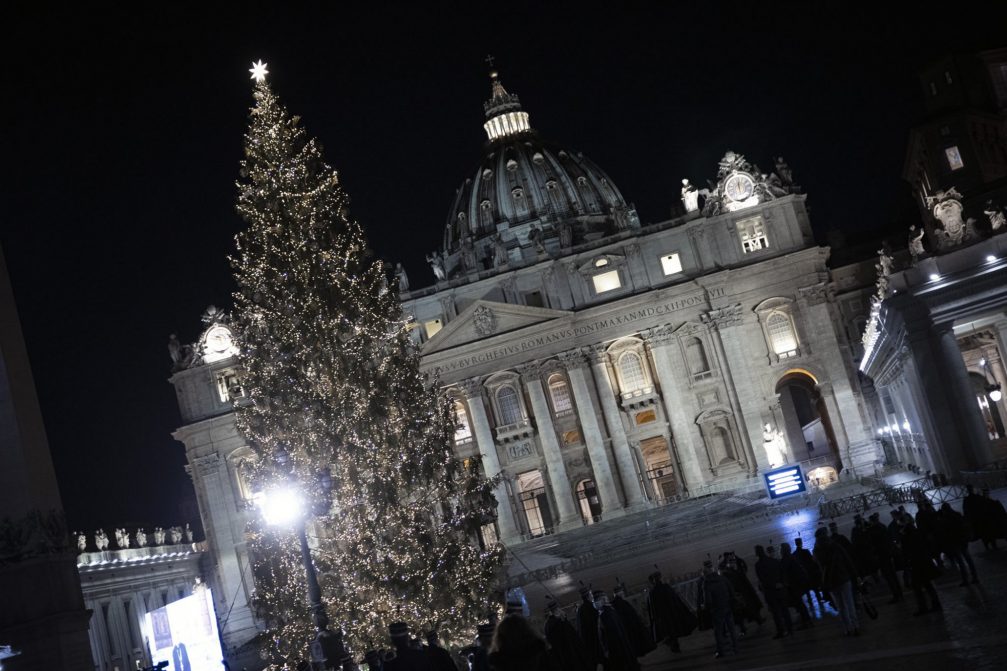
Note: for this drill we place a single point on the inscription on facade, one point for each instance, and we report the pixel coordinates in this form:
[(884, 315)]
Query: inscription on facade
[(546, 339), (519, 450)]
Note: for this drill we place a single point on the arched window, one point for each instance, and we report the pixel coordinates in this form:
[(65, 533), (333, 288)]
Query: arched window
[(463, 431), (560, 394), (781, 334), (695, 354), (631, 372), (508, 405)]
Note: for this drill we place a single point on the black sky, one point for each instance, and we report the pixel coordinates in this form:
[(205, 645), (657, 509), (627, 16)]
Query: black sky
[(122, 134)]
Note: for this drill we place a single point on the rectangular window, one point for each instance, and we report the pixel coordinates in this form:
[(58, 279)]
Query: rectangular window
[(534, 299), (954, 158), (606, 281), (432, 327), (227, 385), (753, 235), (671, 264)]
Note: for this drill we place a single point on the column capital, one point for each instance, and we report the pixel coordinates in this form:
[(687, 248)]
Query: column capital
[(659, 336), (574, 358), (531, 371), (596, 354), (207, 465), (723, 317), (471, 387), (817, 293)]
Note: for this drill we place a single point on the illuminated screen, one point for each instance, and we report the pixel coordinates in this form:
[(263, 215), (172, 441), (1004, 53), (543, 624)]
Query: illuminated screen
[(184, 634), (784, 481)]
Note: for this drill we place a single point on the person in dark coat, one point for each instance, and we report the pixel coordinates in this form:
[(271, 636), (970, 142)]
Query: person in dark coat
[(478, 654), (587, 627), (717, 597), (839, 576), (670, 617), (922, 567), (953, 540), (562, 638), (811, 568), (405, 657), (997, 516), (639, 635), (516, 647), (617, 653), (796, 582), (976, 514), (440, 658), (863, 549), (884, 552), (769, 571), (747, 606)]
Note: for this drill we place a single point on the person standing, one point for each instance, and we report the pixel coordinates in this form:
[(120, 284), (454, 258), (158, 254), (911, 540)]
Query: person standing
[(617, 652), (639, 636), (440, 659), (921, 566), (717, 597), (975, 511), (587, 627), (770, 575), (516, 647), (954, 541), (812, 569), (838, 577), (747, 605), (568, 649), (405, 658), (670, 617), (795, 579)]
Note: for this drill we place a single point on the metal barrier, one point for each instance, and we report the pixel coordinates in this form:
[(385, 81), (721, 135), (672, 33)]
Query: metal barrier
[(935, 488)]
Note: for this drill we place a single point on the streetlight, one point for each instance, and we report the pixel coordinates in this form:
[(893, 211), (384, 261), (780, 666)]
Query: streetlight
[(992, 388), (284, 506)]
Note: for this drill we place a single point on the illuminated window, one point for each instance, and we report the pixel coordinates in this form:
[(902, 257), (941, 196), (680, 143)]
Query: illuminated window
[(645, 417), (606, 281), (463, 432), (228, 387), (671, 263), (508, 405), (954, 157), (432, 327), (631, 372), (572, 437), (560, 393), (781, 334), (753, 235)]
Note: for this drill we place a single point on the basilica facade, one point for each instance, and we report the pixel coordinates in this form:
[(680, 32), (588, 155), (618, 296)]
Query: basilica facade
[(602, 364)]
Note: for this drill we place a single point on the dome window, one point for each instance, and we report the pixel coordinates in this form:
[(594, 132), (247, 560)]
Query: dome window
[(487, 173), (582, 181), (563, 154), (538, 158), (486, 205), (461, 217), (551, 185), (601, 263), (511, 165), (517, 193)]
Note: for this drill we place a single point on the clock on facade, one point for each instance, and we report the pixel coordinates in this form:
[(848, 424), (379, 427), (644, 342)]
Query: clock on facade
[(218, 344), (739, 187)]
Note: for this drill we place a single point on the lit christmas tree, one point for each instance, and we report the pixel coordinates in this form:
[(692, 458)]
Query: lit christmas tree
[(334, 385)]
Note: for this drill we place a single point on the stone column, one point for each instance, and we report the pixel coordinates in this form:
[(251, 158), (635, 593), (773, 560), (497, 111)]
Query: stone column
[(725, 326), (680, 410), (631, 479), (472, 389), (576, 363), (569, 516), (975, 439)]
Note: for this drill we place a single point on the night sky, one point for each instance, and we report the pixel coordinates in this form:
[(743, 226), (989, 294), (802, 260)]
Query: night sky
[(122, 135)]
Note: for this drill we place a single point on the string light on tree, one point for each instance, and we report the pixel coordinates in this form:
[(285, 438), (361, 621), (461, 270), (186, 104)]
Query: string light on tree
[(259, 71), (331, 374)]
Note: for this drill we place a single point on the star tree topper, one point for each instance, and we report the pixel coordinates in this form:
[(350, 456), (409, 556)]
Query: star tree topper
[(259, 71)]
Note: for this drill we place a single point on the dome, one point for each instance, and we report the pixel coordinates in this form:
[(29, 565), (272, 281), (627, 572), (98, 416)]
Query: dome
[(526, 197)]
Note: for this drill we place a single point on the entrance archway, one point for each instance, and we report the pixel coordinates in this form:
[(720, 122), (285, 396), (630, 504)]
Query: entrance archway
[(807, 424), (662, 484), (534, 503), (587, 499)]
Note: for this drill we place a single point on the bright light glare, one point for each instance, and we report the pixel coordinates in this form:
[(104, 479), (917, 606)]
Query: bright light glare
[(990, 258), (996, 395), (281, 507), (905, 425), (934, 277)]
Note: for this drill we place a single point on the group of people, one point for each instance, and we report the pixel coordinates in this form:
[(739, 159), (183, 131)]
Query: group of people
[(608, 631)]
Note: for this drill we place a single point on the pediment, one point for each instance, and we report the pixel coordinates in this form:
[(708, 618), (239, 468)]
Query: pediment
[(487, 319)]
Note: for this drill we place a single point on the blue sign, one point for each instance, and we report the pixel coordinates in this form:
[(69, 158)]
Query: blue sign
[(784, 481)]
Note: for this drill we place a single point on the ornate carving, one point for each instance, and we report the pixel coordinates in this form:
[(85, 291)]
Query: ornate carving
[(741, 184), (632, 250), (690, 196), (471, 388), (947, 209), (207, 465), (723, 317), (519, 450), (596, 353), (35, 534), (484, 321), (916, 243), (575, 358), (816, 293), (659, 336), (531, 371), (995, 214)]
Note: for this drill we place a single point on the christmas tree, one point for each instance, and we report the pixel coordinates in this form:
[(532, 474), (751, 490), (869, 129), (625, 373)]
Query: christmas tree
[(333, 384)]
